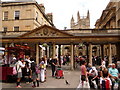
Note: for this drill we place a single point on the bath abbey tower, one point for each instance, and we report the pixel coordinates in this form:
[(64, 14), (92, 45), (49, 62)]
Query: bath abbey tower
[(82, 22)]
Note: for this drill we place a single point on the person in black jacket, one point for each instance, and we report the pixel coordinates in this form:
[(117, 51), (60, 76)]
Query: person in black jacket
[(53, 66), (34, 73)]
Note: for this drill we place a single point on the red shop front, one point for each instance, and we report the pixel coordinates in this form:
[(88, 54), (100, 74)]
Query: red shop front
[(13, 54)]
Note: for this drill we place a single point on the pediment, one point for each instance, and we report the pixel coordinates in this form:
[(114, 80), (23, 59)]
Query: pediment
[(46, 31)]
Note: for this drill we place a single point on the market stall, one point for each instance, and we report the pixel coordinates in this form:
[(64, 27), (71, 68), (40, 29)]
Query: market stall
[(12, 54)]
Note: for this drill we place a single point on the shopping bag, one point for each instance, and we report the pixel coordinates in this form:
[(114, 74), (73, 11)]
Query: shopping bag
[(14, 71), (115, 86)]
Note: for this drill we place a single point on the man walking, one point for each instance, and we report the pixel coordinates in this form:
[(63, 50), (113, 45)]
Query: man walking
[(53, 66)]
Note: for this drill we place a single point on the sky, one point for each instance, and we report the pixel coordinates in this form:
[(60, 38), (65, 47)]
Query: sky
[(63, 10)]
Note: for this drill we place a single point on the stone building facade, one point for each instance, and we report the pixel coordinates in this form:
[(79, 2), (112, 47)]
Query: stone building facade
[(82, 22), (110, 17), (118, 14), (23, 15)]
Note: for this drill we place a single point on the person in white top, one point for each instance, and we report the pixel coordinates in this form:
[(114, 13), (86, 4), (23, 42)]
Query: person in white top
[(28, 69), (103, 64), (28, 60), (93, 73), (19, 65)]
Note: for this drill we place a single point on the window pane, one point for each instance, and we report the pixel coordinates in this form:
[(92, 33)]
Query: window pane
[(6, 15), (5, 29), (17, 15), (16, 28)]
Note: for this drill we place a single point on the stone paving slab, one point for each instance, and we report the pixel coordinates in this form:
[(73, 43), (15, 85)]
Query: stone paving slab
[(71, 76)]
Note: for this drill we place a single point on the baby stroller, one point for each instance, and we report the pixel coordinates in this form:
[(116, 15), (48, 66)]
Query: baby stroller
[(59, 73)]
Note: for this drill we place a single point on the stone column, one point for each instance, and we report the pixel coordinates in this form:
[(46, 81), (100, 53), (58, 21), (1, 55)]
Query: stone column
[(42, 52), (97, 52), (102, 51), (72, 57), (118, 50), (110, 54), (90, 53), (37, 54), (54, 50), (84, 49), (48, 52)]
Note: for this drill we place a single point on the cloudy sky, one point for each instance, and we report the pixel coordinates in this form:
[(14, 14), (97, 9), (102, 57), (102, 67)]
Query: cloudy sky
[(64, 9)]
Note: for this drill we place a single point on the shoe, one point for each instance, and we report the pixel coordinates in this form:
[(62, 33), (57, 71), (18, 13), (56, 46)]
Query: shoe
[(18, 86), (27, 83), (53, 76), (33, 86)]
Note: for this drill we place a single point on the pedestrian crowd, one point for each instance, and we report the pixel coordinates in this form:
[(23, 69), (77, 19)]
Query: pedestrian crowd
[(101, 76), (31, 72)]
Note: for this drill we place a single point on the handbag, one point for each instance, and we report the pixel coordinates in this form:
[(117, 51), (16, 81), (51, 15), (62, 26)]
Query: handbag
[(15, 71)]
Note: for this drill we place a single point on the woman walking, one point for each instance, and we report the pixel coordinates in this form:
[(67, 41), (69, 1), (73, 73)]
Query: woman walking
[(83, 72), (42, 70)]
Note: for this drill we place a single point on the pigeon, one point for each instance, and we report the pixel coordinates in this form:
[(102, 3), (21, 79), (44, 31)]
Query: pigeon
[(67, 82)]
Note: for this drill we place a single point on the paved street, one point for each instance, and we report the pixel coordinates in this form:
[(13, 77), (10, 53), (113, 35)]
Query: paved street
[(71, 76)]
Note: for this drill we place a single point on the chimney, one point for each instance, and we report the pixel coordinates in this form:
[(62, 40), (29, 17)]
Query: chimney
[(42, 7), (50, 17)]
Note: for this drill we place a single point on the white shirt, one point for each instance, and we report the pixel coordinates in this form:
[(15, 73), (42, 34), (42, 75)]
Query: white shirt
[(19, 66), (95, 73), (103, 63), (28, 62)]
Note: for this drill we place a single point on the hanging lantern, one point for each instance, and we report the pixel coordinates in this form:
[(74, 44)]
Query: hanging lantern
[(44, 45), (80, 44)]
